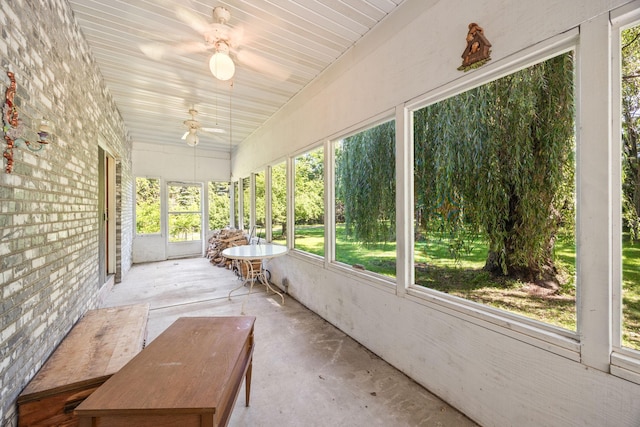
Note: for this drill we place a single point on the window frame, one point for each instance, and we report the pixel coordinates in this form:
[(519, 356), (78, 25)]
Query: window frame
[(270, 198), (625, 362), (557, 340), (208, 202), (254, 203), (368, 277), (291, 200), (135, 206), (203, 212), (244, 203)]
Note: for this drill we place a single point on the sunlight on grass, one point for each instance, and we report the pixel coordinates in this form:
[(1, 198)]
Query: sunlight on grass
[(436, 250), (379, 258), (436, 268), (309, 238), (631, 294)]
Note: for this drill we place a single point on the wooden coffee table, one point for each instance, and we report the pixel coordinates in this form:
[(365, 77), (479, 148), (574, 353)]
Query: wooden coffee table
[(190, 375)]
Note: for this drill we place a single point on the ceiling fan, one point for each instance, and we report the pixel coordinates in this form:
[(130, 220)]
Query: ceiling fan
[(193, 126), (223, 40)]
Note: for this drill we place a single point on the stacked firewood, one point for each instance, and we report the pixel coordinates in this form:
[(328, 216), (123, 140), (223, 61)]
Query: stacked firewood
[(221, 240)]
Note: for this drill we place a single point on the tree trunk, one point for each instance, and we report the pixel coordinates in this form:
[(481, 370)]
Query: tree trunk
[(544, 274)]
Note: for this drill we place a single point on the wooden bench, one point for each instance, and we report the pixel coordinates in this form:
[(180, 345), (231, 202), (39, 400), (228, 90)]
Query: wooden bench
[(189, 376), (98, 345)]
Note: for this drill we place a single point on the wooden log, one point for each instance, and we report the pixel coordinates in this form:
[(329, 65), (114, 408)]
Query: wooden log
[(223, 239)]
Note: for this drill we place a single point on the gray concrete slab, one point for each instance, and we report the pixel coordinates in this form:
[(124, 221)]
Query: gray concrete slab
[(306, 372)]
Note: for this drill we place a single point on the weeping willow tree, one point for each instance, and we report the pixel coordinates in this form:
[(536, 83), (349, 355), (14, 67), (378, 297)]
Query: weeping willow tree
[(497, 161), (631, 131), (279, 199), (365, 184)]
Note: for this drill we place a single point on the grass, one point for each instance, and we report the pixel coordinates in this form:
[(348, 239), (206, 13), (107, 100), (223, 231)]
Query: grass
[(631, 293), (310, 238), (379, 258), (435, 268)]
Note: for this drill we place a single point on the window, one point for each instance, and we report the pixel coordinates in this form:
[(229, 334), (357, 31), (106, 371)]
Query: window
[(630, 186), (185, 214), (147, 205), (309, 202), (279, 203), (365, 200), (236, 205), (219, 205), (260, 203), (246, 202), (495, 195)]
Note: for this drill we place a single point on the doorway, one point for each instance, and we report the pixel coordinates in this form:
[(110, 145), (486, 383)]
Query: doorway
[(184, 219), (107, 216)]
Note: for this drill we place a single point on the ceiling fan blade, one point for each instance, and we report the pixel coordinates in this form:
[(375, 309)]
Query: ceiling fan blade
[(191, 19), (192, 47), (154, 51), (157, 51), (185, 135), (262, 64), (236, 35), (213, 130)]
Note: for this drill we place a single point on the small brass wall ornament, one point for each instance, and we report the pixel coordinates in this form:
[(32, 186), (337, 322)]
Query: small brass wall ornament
[(14, 129), (478, 49)]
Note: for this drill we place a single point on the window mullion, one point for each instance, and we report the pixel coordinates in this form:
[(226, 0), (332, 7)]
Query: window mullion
[(593, 179), (404, 199)]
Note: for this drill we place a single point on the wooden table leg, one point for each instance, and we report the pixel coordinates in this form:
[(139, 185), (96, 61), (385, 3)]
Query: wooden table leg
[(86, 421), (247, 382)]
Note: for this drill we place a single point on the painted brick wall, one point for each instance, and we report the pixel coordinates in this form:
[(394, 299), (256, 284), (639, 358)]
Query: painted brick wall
[(49, 221), (125, 196)]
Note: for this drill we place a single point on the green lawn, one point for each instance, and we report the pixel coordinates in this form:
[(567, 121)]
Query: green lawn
[(437, 269), (310, 238), (631, 293)]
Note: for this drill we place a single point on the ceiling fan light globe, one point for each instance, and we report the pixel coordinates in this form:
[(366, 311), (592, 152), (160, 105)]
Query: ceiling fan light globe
[(192, 139), (221, 14), (222, 67)]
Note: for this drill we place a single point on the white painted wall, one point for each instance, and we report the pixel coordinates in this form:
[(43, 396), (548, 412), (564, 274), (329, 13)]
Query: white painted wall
[(498, 370), (173, 163), (414, 51), (180, 163)]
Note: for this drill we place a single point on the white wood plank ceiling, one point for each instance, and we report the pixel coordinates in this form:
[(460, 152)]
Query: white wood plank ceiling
[(145, 50)]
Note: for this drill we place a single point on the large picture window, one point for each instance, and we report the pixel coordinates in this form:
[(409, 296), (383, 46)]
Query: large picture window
[(147, 205), (246, 202), (279, 203), (236, 205), (219, 205), (495, 195), (309, 202), (630, 186), (260, 203), (365, 200)]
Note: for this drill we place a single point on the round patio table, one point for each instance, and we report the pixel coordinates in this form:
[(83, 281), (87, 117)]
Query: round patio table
[(245, 255)]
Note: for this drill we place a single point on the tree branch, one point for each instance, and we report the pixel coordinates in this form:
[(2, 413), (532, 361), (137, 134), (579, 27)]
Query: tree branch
[(632, 41)]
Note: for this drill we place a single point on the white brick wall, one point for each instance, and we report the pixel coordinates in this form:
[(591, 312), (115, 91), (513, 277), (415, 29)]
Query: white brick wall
[(49, 220)]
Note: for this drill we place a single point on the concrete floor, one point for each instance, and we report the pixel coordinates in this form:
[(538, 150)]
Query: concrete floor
[(305, 371)]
